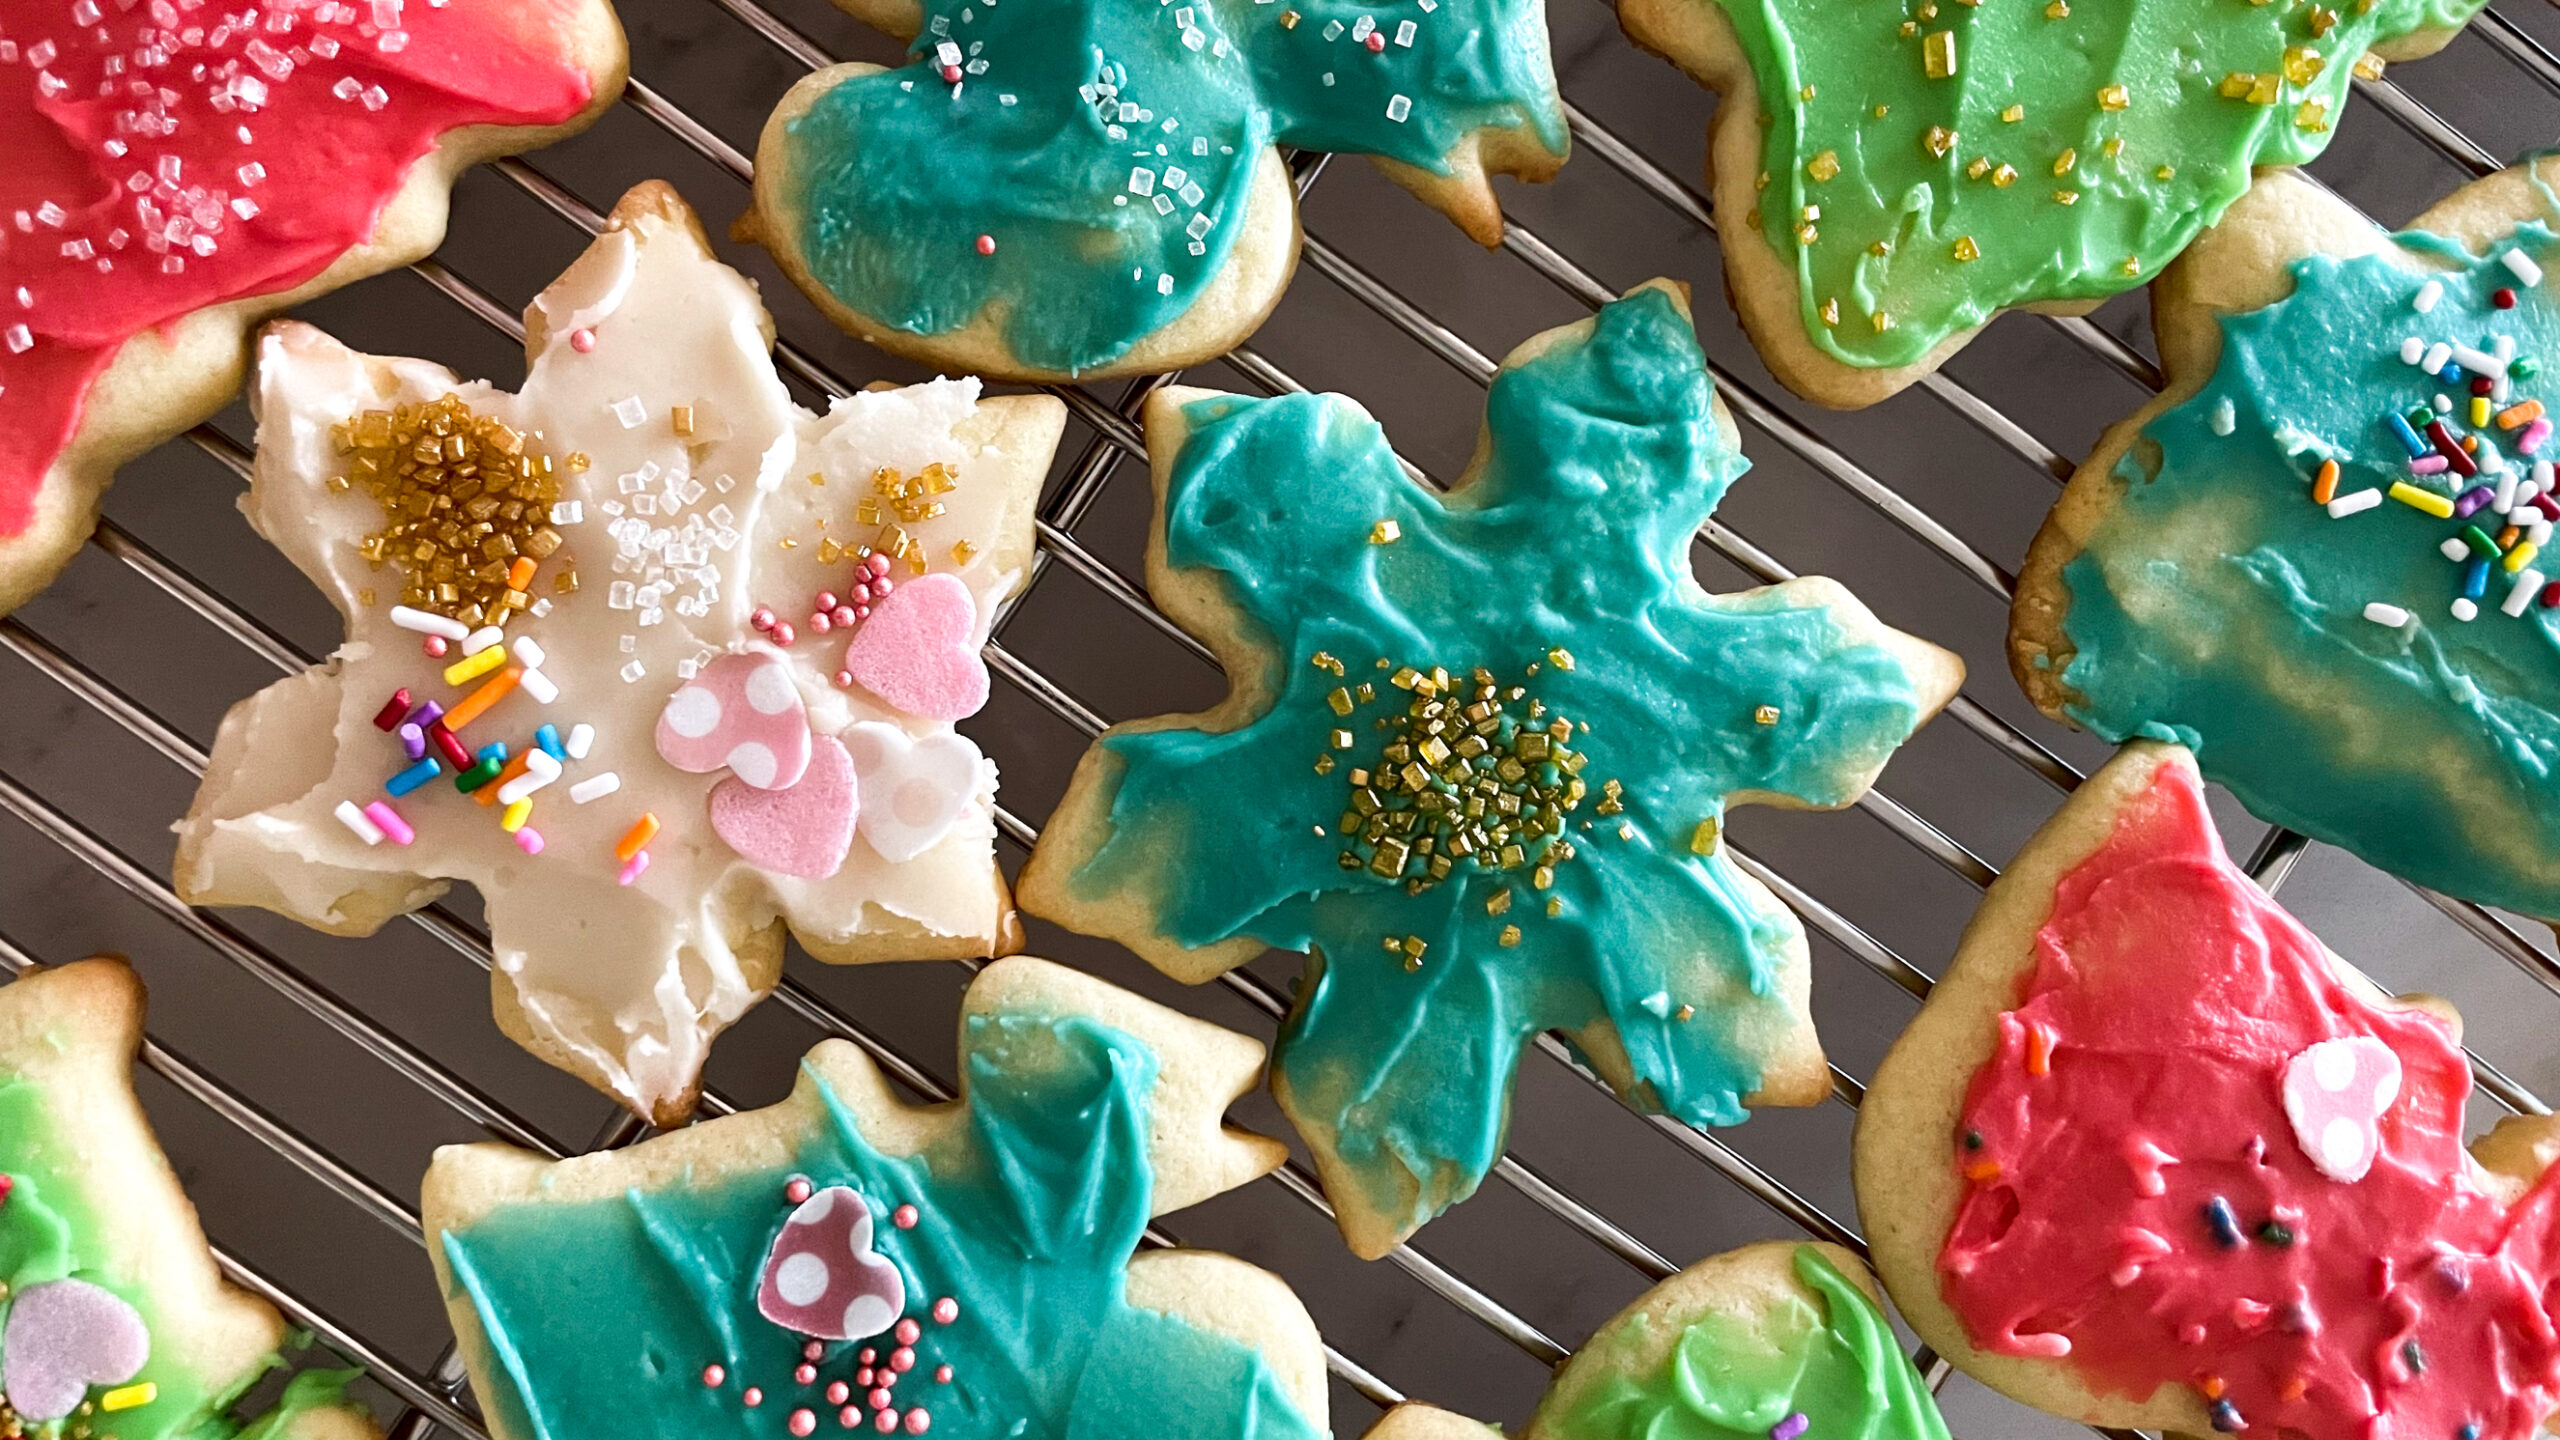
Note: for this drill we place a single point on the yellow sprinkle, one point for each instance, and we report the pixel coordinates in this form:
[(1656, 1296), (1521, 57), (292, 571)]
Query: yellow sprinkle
[(789, 543), (2369, 65), (2302, 64), (2237, 84), (1883, 110), (129, 1397), (472, 667), (1910, 28), (1807, 233), (517, 812), (2133, 265), (2066, 197), (1831, 311), (1938, 54), (1980, 167), (2063, 162), (2268, 87), (2520, 556), (681, 418), (2165, 172), (1340, 700), (2479, 412), (962, 552), (2114, 97), (1510, 936), (2311, 116), (1805, 94), (1824, 165), (1385, 532), (1939, 142), (1881, 321), (1499, 902), (1555, 905), (2004, 177), (1560, 657), (2058, 10), (1685, 1014), (1762, 183), (2114, 146), (2417, 499), (1702, 841), (1879, 248), (1966, 250), (2014, 114), (1765, 715)]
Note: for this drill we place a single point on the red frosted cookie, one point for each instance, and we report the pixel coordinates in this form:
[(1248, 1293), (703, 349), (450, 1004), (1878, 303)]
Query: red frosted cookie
[(178, 173)]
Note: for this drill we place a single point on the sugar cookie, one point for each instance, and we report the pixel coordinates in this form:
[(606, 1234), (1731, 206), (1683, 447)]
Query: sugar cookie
[(2316, 559), (2151, 1156), (1093, 188), (168, 188), (635, 659), (846, 1261), (1493, 736), (1887, 179)]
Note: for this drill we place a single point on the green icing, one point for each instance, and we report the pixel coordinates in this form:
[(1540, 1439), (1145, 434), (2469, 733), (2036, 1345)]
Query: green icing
[(2217, 606), (48, 1232), (1604, 457), (1065, 102), (1732, 1378), (1820, 88), (602, 1315)]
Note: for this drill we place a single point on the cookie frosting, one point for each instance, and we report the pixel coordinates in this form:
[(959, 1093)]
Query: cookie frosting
[(2153, 1194), (2328, 662), (1010, 1233), (1928, 163), (662, 737), (1078, 171), (1490, 743), (1798, 1368), (161, 164)]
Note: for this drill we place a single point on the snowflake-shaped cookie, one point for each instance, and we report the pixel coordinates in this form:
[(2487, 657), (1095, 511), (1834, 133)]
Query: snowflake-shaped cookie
[(846, 1262), (632, 582), (1093, 187), (1477, 757)]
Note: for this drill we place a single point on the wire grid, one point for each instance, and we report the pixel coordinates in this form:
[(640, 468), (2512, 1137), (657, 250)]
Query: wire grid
[(1947, 481)]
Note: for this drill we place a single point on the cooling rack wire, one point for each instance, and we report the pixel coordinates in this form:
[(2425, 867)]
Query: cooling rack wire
[(176, 611)]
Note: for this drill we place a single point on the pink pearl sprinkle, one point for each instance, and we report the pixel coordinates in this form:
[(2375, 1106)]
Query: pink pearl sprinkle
[(797, 1191), (844, 615), (869, 1356), (863, 1377), (877, 564), (986, 246), (813, 1352), (942, 1375), (918, 1422), (881, 587), (803, 1422), (908, 1330), (820, 622), (885, 1421), (950, 74), (528, 840), (714, 1376), (844, 679), (1376, 42), (582, 340), (838, 1392), (753, 1397), (435, 647), (946, 1310), (849, 1416), (904, 1217), (805, 1374), (902, 1360), (826, 599), (761, 618), (782, 632), (886, 1377), (879, 1398)]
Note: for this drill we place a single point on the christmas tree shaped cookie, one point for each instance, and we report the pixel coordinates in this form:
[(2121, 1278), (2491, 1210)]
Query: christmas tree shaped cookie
[(1477, 757)]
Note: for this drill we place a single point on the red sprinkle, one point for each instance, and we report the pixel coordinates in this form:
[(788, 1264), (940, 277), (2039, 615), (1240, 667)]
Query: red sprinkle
[(986, 244), (2482, 385), (950, 74), (2549, 507), (393, 711), (450, 746), (2503, 298), (9, 1183), (1376, 42), (2550, 601)]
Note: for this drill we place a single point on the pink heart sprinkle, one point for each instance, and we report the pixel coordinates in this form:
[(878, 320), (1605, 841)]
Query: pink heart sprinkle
[(919, 650), (2335, 1094), (803, 831)]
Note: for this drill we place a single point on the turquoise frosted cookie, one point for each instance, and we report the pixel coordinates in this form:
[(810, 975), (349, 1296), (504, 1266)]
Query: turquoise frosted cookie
[(1094, 187), (2318, 560), (1477, 757), (1773, 1341), (846, 1261), (114, 1322)]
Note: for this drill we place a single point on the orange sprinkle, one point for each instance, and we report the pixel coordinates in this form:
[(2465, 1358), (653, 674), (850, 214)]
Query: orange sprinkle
[(491, 691), (2325, 489), (2212, 1387), (2039, 1050), (2293, 1389), (2471, 444), (2523, 413), (520, 574), (637, 838), (488, 794), (2507, 537), (1982, 1170)]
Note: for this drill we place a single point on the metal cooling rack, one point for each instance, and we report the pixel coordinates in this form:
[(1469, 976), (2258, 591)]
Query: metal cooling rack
[(345, 1062)]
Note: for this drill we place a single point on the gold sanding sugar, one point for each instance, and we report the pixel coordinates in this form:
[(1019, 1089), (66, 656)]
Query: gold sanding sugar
[(465, 495)]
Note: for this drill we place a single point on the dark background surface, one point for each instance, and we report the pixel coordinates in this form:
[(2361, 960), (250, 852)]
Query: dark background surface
[(63, 757)]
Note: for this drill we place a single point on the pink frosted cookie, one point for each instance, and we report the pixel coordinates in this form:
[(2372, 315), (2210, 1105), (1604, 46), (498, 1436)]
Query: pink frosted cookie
[(623, 707)]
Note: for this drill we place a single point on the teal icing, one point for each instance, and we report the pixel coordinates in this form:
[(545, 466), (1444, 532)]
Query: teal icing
[(601, 1315), (897, 174), (1604, 457), (2216, 606)]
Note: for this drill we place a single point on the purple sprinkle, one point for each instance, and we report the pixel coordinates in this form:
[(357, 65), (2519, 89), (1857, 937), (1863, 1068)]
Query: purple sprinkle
[(414, 740), (2470, 501), (1791, 1427), (427, 713)]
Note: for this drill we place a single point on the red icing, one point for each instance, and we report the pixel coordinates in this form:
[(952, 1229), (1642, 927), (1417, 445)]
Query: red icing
[(2171, 993), (330, 163)]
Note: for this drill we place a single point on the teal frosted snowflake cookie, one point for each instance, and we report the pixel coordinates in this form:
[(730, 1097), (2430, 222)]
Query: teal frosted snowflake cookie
[(844, 1261), (1094, 187), (1477, 757)]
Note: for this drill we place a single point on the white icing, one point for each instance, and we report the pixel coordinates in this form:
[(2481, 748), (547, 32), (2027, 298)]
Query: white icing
[(628, 983)]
